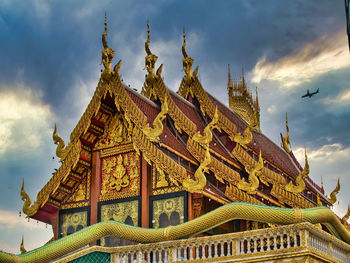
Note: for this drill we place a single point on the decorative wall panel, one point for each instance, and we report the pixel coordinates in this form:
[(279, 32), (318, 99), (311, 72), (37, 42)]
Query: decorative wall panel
[(73, 220), (162, 183), (169, 209), (120, 176), (124, 211)]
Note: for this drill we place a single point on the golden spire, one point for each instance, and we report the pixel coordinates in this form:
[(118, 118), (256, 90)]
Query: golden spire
[(257, 106), (286, 139), (229, 82), (107, 54), (23, 250), (333, 195)]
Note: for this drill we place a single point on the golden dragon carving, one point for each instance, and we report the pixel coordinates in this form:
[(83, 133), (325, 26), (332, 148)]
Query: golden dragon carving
[(200, 179), (153, 133), (21, 248), (247, 136), (61, 150), (28, 208), (299, 181), (286, 139), (207, 136), (333, 195), (346, 217), (253, 184)]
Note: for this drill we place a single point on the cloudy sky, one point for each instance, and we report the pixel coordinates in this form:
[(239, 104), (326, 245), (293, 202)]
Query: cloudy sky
[(50, 53)]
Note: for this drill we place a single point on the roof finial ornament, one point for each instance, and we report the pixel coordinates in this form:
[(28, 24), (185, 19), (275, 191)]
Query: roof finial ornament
[(286, 139), (23, 250), (107, 55), (299, 181), (28, 208), (150, 61), (333, 195), (187, 63)]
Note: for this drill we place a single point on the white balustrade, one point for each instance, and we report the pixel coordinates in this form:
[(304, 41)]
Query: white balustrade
[(234, 245)]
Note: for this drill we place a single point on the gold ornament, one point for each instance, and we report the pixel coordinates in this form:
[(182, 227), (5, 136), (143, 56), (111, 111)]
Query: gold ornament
[(346, 217), (107, 55), (319, 203), (151, 77), (299, 181), (200, 179), (28, 208), (161, 182), (286, 139), (187, 63), (61, 151), (153, 133), (253, 184), (333, 195), (207, 136), (80, 194), (23, 250), (120, 179), (247, 134)]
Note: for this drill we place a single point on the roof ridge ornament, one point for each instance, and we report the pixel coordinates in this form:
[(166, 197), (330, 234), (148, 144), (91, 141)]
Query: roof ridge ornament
[(207, 136), (22, 249), (62, 150), (28, 208), (286, 139), (200, 180), (300, 180), (333, 195), (153, 133), (150, 62), (253, 184), (346, 217), (187, 63), (107, 55)]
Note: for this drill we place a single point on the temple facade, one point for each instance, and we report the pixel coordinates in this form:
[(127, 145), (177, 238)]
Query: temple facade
[(160, 176)]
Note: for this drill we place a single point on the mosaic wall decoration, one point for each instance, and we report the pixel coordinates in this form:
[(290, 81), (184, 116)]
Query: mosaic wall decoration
[(168, 211), (81, 194), (72, 222), (125, 212), (120, 176), (162, 183), (93, 257)]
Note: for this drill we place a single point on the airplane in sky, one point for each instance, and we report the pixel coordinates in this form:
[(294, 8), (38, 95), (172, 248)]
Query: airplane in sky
[(308, 94)]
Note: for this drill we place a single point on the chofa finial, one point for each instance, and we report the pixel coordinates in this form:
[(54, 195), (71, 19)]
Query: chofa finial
[(107, 54)]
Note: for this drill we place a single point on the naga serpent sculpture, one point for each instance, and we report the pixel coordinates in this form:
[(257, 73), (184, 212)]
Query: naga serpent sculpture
[(153, 133), (232, 211), (207, 136)]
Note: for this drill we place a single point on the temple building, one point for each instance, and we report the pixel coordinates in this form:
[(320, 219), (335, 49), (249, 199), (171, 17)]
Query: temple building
[(160, 176)]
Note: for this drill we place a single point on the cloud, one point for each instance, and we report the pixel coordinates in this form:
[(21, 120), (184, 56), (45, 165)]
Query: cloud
[(318, 57), (340, 99), (11, 219), (330, 162), (24, 119)]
